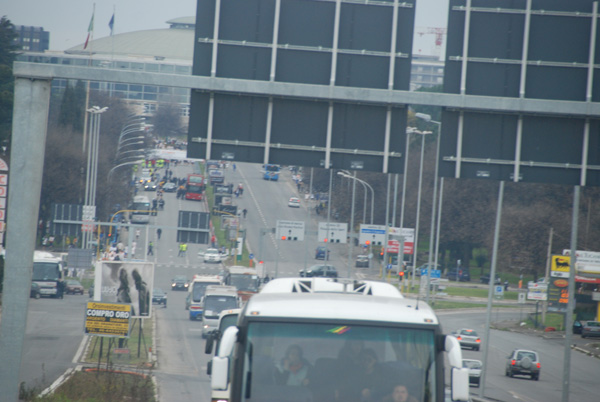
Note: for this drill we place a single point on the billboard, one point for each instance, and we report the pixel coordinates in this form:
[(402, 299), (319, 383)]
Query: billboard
[(308, 50), (127, 283), (107, 319), (509, 51), (560, 266)]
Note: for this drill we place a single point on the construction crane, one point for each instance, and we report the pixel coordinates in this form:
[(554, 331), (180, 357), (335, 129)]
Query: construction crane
[(438, 32)]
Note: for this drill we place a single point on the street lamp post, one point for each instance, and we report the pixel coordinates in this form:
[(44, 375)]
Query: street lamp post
[(427, 118), (364, 183), (92, 169)]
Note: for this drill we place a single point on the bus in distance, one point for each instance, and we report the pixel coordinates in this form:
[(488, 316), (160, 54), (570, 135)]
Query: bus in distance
[(196, 292), (328, 322), (244, 279), (140, 209), (194, 188), (271, 172), (48, 274)]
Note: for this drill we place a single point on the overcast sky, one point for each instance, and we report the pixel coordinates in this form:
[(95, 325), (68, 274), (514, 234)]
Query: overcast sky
[(68, 20)]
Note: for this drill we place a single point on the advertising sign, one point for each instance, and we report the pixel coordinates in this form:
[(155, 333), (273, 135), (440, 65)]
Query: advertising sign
[(107, 319), (376, 235), (126, 283), (558, 294), (537, 291), (560, 266), (587, 262)]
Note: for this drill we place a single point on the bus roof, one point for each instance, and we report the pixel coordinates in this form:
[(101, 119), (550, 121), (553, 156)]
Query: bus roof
[(238, 269), (340, 306), (141, 198), (206, 278), (44, 255)]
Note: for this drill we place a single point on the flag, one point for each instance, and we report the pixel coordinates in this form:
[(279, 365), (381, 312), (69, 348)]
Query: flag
[(90, 29), (111, 23)]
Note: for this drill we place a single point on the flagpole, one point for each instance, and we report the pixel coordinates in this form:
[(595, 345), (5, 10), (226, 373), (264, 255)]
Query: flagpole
[(87, 91)]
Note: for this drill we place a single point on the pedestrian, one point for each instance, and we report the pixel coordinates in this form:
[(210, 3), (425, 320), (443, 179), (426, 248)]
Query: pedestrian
[(234, 167), (137, 233), (158, 233), (237, 193), (183, 249), (244, 212), (180, 253), (150, 248), (213, 241), (133, 246)]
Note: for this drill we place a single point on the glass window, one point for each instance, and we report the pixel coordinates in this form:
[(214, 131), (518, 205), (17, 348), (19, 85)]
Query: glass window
[(135, 88), (137, 66), (150, 89), (166, 68), (165, 90), (183, 69), (148, 96), (337, 359), (150, 67), (121, 87)]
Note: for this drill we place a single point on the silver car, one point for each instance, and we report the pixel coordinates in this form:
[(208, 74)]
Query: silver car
[(474, 367), (523, 362), (468, 338)]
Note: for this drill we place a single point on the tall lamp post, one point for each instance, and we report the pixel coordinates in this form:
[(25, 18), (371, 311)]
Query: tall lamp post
[(92, 172), (364, 183), (427, 118)]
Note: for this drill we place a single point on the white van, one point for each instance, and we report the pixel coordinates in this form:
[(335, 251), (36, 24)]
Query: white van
[(215, 300)]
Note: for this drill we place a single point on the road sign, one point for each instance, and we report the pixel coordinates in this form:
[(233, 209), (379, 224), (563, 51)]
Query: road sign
[(521, 298), (293, 230), (435, 273), (499, 292), (333, 232), (251, 256)]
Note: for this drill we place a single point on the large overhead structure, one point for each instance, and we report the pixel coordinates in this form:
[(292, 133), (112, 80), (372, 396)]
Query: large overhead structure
[(523, 51), (304, 46)]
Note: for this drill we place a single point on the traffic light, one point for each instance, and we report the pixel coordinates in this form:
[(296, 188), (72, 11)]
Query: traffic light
[(325, 240), (283, 237), (367, 242), (401, 274)]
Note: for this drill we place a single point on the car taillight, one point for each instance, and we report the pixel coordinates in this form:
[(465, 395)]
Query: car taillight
[(478, 340), (459, 338), (513, 362), (539, 365)]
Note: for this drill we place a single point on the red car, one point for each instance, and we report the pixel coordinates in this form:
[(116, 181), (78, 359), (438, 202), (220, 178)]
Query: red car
[(73, 287)]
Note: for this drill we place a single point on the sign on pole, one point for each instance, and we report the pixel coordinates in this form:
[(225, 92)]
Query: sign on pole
[(291, 230), (333, 232), (537, 291), (107, 319)]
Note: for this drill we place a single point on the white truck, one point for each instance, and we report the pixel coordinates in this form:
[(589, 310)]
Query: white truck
[(332, 321), (215, 300)]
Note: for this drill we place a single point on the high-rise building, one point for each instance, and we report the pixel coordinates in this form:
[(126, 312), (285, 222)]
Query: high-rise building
[(32, 39)]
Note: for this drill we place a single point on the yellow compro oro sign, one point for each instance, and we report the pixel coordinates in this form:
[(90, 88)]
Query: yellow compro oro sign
[(560, 266), (107, 319)]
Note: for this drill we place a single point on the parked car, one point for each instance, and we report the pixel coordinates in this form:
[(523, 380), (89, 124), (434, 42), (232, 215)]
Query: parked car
[(459, 274), (474, 367), (485, 278), (170, 187), (577, 327), (73, 287), (212, 255), (362, 261), (35, 291), (590, 328), (180, 282), (523, 362), (294, 202), (159, 297), (327, 271), (322, 253)]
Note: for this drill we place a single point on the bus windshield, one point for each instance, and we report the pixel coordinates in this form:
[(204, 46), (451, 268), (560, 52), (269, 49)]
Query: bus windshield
[(214, 304), (244, 282), (272, 168), (199, 288), (140, 206), (349, 361), (195, 188), (46, 271)]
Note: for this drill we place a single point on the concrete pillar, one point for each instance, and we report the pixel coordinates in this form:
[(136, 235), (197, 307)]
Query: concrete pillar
[(30, 120)]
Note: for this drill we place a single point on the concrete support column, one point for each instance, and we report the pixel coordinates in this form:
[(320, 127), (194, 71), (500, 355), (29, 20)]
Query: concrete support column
[(30, 120)]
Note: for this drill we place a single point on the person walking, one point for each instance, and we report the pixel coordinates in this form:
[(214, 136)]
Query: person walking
[(158, 233), (180, 250), (150, 248), (244, 212), (183, 249)]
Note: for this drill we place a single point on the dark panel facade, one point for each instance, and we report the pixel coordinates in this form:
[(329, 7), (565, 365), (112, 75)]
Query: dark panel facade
[(555, 66), (296, 46)]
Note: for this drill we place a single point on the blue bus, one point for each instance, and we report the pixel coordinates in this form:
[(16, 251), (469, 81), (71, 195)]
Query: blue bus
[(271, 172)]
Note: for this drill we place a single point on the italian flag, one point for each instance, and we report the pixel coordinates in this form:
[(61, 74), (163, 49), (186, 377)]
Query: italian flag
[(90, 29)]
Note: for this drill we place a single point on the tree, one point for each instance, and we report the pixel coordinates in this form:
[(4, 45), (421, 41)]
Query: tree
[(7, 57)]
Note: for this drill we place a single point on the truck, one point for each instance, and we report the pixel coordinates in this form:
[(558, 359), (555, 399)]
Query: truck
[(330, 320), (215, 300), (48, 274), (244, 279)]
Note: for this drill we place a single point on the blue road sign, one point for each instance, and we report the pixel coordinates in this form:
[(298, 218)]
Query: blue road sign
[(389, 267), (435, 273), (251, 256)]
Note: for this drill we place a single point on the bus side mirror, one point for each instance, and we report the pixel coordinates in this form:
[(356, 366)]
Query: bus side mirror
[(209, 344), (220, 363), (460, 375)]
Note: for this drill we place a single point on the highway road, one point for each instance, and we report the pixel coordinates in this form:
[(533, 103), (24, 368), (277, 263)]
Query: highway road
[(55, 327)]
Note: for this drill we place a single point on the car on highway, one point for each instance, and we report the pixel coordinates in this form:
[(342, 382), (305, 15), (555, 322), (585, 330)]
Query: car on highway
[(461, 274), (34, 293), (212, 255), (468, 338), (474, 367), (180, 282), (322, 253), (327, 271), (159, 297), (523, 362), (485, 279), (590, 328), (294, 202), (73, 287), (169, 187), (362, 261), (150, 186)]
